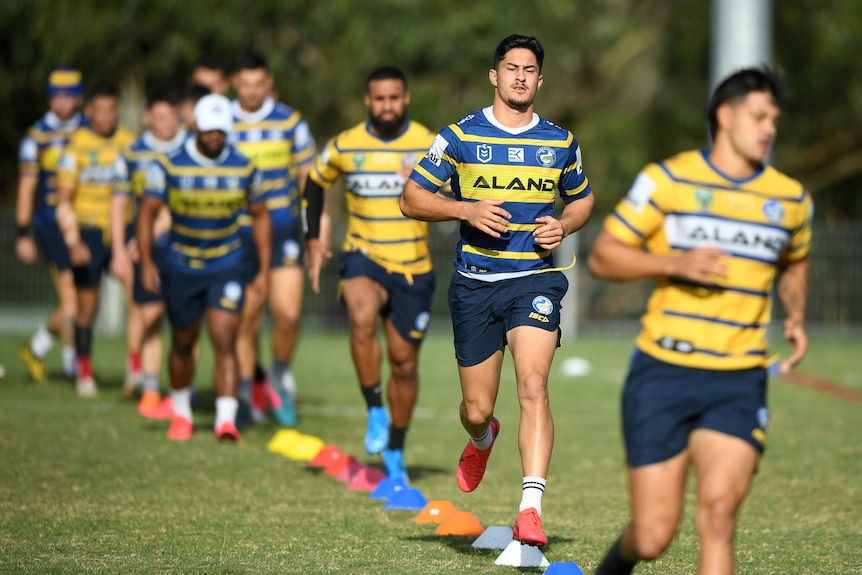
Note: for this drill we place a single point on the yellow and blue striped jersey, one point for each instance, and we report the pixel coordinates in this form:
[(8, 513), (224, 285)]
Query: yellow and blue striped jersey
[(759, 223), (205, 197), (278, 140), (375, 170), (39, 154), (132, 165), (525, 167), (88, 165)]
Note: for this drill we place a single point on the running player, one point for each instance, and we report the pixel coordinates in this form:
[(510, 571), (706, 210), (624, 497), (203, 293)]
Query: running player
[(37, 199), (506, 164), (386, 267)]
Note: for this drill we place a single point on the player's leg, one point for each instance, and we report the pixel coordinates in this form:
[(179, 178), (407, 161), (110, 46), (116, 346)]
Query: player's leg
[(151, 358), (247, 337), (64, 284), (724, 466), (134, 340), (285, 303), (364, 298), (87, 281), (401, 392), (223, 327), (181, 370)]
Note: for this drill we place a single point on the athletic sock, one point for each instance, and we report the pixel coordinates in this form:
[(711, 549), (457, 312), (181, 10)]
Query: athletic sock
[(531, 496), (85, 367), (41, 342), (244, 392), (259, 373), (69, 360), (182, 402), (372, 395), (614, 563), (226, 407), (396, 437), (83, 341), (133, 362), (150, 382), (485, 441)]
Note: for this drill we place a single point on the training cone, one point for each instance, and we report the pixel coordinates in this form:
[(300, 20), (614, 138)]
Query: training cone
[(460, 523), (516, 554), (367, 479), (436, 512), (336, 465), (282, 440), (494, 537), (304, 448), (388, 487), (408, 498), (326, 454), (563, 568), (349, 471)]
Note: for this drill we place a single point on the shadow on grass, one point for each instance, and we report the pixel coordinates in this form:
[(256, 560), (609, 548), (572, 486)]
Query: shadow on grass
[(464, 545)]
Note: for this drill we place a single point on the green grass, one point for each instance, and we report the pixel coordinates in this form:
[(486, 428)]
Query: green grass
[(90, 487)]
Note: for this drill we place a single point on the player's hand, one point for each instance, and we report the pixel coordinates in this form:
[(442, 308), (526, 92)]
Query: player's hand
[(795, 333), (79, 254), (257, 290), (133, 251), (550, 234), (706, 266), (318, 254), (150, 278), (121, 265), (25, 249), (489, 217)]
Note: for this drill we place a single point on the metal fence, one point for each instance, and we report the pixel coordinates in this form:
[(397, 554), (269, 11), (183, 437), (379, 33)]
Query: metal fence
[(835, 302)]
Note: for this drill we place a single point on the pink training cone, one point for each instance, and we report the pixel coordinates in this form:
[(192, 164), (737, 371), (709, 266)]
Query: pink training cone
[(435, 512), (460, 523), (325, 456), (350, 470), (367, 479)]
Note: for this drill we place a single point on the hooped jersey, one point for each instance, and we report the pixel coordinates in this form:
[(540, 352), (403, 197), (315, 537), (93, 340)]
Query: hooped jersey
[(39, 154), (525, 167), (759, 224), (375, 170), (278, 141), (131, 167), (206, 197), (88, 165)]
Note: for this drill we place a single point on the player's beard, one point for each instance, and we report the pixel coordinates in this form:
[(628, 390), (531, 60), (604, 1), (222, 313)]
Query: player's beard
[(387, 128)]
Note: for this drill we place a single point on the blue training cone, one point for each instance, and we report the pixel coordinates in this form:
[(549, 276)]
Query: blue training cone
[(387, 488), (563, 568), (408, 498)]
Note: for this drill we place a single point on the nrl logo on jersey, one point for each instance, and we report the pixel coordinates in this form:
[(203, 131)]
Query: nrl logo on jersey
[(253, 135), (483, 153), (358, 160), (211, 182)]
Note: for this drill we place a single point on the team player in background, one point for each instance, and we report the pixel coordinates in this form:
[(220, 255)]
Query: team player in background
[(279, 142), (40, 152), (717, 226), (206, 184), (506, 164), (163, 135), (386, 267), (210, 73), (85, 180)]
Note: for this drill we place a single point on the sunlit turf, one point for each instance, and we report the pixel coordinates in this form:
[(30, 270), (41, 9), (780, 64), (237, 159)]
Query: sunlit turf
[(90, 487)]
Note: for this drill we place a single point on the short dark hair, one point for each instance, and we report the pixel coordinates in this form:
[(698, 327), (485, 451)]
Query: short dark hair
[(194, 92), (210, 62), (385, 73), (251, 60), (161, 95), (106, 89), (738, 85), (531, 43)]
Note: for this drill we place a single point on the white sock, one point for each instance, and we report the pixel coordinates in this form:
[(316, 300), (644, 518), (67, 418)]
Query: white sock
[(150, 382), (485, 441), (534, 488), (41, 342), (182, 402), (226, 407), (69, 366)]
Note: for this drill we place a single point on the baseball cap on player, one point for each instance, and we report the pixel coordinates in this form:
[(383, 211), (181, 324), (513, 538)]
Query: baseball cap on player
[(212, 112)]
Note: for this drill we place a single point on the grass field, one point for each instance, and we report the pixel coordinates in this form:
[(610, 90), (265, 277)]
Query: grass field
[(90, 487)]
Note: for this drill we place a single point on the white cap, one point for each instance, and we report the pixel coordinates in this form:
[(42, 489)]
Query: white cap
[(212, 112)]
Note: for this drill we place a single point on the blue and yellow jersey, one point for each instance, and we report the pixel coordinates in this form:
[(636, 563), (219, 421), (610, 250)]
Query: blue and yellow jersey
[(88, 165), (39, 154), (278, 141), (759, 223), (132, 165), (206, 197), (375, 170), (526, 168)]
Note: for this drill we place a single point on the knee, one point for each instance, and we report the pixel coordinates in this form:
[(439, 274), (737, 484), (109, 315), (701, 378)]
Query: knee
[(404, 369), (477, 412), (182, 349), (716, 518), (650, 544), (533, 388)]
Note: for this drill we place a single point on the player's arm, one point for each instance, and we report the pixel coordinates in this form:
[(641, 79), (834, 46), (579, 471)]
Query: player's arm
[(792, 290), (262, 232), (575, 216), (25, 248), (485, 215), (121, 261), (154, 197), (317, 244), (67, 175)]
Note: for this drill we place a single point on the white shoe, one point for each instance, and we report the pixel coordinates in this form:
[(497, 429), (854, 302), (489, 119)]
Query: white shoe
[(86, 388), (288, 384)]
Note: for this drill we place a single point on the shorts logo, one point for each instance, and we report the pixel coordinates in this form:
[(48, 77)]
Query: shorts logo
[(543, 305), (291, 251), (546, 156), (422, 321), (484, 153), (773, 210), (232, 291), (763, 417)]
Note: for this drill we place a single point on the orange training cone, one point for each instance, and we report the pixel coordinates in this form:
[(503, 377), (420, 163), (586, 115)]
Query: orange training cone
[(326, 454), (336, 465), (460, 523), (435, 512)]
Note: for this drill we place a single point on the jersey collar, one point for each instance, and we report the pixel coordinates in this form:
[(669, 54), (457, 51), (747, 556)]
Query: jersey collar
[(252, 117), (192, 150), (489, 115)]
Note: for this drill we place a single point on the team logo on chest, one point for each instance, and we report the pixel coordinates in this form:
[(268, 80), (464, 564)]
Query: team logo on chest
[(773, 210), (211, 182), (546, 156), (704, 198), (187, 182), (483, 153), (358, 160), (232, 183)]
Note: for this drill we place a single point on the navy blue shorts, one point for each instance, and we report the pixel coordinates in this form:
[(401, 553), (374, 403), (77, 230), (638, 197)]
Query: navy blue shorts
[(663, 403), (50, 240), (409, 303), (159, 255), (188, 294), (287, 250), (90, 275), (483, 312)]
